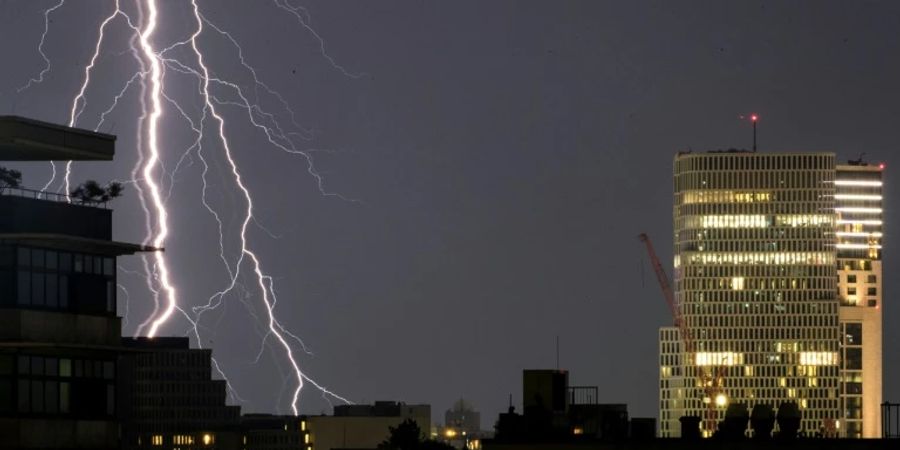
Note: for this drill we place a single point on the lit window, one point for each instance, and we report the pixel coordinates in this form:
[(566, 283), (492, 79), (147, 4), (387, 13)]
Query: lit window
[(818, 358), (719, 358)]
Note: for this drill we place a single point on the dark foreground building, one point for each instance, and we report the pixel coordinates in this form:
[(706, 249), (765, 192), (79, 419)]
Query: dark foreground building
[(556, 413), (59, 333), (170, 400)]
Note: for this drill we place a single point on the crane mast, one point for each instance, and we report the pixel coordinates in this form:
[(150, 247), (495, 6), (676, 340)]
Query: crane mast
[(709, 380)]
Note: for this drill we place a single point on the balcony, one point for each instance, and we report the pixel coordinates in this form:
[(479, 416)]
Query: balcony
[(25, 211)]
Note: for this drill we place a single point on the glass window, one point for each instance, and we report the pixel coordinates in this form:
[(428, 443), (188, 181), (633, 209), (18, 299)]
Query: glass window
[(853, 334), (24, 254), (79, 364), (51, 367), (37, 258), (51, 397), (871, 279), (110, 399), (52, 261), (65, 367), (64, 397), (88, 264), (7, 255), (63, 292), (37, 365), (851, 278), (52, 290), (24, 365), (854, 359), (65, 262), (79, 263), (110, 297), (109, 370), (37, 288), (6, 395), (851, 291), (98, 265), (109, 267), (24, 287), (7, 286), (24, 395), (6, 364), (37, 396), (872, 291)]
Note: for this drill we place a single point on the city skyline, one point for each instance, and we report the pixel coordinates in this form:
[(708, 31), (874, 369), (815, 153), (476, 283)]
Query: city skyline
[(504, 174)]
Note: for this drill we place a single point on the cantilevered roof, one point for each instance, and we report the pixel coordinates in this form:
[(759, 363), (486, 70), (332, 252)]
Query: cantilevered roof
[(24, 139), (75, 243)]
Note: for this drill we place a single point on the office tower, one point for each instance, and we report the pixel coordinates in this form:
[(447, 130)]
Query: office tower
[(755, 280), (858, 208), (59, 333)]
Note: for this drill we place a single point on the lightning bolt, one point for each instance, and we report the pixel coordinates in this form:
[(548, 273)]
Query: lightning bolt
[(149, 171), (40, 77)]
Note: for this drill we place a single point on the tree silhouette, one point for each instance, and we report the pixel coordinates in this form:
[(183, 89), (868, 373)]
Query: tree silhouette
[(762, 420), (788, 418), (9, 178), (408, 436), (91, 192)]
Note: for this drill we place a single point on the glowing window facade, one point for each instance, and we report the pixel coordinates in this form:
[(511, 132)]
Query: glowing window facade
[(858, 233), (755, 280)]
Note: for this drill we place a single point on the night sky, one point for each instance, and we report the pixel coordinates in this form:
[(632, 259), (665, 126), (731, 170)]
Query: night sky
[(505, 156)]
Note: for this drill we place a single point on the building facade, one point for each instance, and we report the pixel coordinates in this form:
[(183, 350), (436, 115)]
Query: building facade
[(362, 426), (169, 399), (756, 283), (859, 232), (274, 432), (59, 331)]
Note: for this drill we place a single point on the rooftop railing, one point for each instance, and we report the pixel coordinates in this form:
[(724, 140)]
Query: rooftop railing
[(48, 196)]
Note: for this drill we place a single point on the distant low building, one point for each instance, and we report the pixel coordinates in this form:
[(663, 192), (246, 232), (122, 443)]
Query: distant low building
[(462, 427), (363, 426), (556, 414), (273, 432)]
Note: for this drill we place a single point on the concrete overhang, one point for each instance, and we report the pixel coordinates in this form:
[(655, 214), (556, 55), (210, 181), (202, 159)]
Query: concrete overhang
[(24, 139), (75, 243)]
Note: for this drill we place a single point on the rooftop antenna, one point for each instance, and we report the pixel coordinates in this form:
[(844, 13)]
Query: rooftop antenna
[(754, 118), (557, 352)]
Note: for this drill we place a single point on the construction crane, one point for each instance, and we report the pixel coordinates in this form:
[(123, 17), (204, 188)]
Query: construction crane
[(710, 380)]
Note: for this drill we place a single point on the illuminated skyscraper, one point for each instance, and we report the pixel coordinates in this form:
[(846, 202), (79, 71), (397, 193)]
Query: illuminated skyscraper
[(756, 282), (858, 200)]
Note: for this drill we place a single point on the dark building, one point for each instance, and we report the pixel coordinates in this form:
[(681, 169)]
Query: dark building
[(361, 426), (59, 333), (555, 412), (169, 399), (271, 432)]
